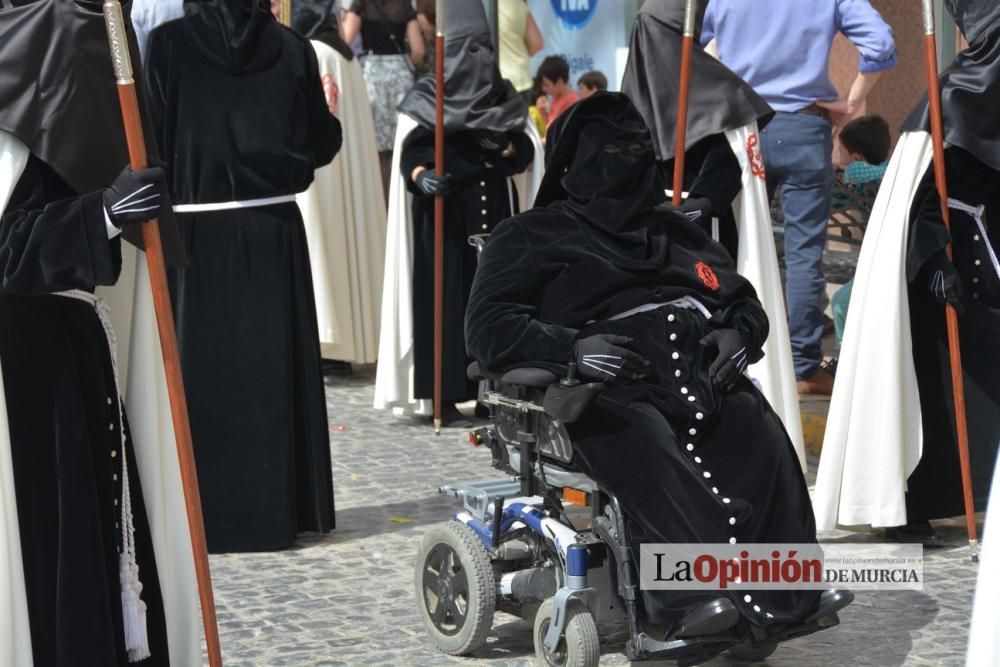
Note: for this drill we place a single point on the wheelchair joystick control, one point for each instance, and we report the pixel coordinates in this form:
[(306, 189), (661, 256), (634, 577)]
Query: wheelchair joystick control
[(570, 380)]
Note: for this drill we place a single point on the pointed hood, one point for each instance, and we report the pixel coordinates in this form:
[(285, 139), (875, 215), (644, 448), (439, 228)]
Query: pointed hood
[(719, 99), (317, 19), (476, 96), (977, 19), (235, 35)]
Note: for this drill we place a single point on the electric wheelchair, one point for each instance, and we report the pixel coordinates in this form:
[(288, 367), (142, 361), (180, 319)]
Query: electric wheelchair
[(546, 543)]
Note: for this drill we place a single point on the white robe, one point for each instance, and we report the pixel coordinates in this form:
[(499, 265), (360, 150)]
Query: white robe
[(758, 263), (874, 437), (141, 367), (344, 214), (984, 633), (394, 375)]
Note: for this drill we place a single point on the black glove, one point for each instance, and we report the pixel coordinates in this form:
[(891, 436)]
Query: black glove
[(732, 359), (943, 280), (137, 196), (431, 184), (696, 207), (603, 358), (491, 141)]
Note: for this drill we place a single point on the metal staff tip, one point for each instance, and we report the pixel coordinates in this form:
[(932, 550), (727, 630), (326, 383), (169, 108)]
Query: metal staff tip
[(690, 17), (929, 27), (118, 38), (439, 18)]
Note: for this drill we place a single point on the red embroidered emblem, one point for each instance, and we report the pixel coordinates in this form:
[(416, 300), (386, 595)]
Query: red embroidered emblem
[(707, 276), (756, 159), (332, 91)]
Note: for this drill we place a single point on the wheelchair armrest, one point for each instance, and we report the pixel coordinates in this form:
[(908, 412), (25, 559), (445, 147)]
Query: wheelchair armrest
[(528, 376), (567, 403)]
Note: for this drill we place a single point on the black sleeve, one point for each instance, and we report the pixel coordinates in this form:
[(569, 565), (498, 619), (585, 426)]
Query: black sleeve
[(155, 71), (60, 246), (501, 323), (719, 177), (418, 150), (746, 315), (325, 132), (524, 155)]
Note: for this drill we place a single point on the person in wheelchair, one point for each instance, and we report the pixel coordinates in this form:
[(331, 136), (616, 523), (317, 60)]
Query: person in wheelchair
[(605, 274)]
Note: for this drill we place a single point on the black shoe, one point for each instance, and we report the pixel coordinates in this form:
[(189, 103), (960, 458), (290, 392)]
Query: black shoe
[(915, 532), (706, 619), (452, 418), (482, 411), (830, 602), (337, 368)]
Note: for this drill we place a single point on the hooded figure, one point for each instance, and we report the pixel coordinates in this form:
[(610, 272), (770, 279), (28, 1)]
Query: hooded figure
[(344, 209), (724, 185), (95, 557), (241, 118), (488, 141), (910, 473), (603, 273)]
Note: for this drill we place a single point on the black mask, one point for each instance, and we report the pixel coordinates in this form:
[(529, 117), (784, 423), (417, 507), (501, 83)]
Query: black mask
[(235, 35)]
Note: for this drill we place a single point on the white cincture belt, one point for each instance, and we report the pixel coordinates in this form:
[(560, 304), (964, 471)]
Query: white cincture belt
[(977, 215), (688, 302), (232, 205)]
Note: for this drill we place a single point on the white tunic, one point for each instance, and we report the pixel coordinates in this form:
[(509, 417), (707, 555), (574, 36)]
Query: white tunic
[(344, 214), (984, 635), (141, 367)]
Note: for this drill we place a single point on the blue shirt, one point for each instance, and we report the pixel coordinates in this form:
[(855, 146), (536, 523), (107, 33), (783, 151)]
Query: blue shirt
[(783, 52)]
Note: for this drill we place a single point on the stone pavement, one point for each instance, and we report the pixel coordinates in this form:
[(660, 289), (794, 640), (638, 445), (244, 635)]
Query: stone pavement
[(347, 598)]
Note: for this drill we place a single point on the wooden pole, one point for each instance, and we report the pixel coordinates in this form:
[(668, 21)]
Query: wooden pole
[(951, 317), (165, 324), (687, 49), (286, 13), (439, 19)]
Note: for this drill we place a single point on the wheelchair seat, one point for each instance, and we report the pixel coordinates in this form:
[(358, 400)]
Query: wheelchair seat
[(537, 378)]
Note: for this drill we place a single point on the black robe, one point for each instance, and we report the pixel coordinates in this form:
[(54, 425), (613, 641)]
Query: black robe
[(934, 489), (712, 172), (482, 195), (683, 457), (64, 426), (245, 311)]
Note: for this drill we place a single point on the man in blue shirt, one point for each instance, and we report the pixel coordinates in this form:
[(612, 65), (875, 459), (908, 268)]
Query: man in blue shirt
[(784, 54)]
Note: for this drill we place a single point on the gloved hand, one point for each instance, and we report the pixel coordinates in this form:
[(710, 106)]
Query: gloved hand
[(943, 280), (732, 358), (491, 141), (432, 184), (604, 358), (137, 196), (696, 207)]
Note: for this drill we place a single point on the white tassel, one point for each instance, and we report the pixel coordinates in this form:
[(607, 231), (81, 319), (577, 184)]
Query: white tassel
[(133, 611)]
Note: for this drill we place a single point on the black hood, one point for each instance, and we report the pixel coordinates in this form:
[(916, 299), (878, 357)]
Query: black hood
[(719, 99), (476, 96), (970, 86), (317, 19), (235, 35)]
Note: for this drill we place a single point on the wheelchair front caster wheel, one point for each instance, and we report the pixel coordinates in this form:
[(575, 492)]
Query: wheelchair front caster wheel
[(580, 645), (746, 651), (455, 588)]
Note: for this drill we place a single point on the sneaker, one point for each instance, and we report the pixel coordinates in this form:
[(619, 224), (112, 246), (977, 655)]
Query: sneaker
[(819, 383)]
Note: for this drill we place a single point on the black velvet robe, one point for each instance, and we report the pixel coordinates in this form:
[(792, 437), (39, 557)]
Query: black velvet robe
[(934, 489), (712, 172), (245, 311), (482, 195), (64, 428), (688, 461)]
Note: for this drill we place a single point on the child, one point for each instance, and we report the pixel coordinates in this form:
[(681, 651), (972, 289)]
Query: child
[(554, 75), (534, 110), (863, 149), (590, 83)]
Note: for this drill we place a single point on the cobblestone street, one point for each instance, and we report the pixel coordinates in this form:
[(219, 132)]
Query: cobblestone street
[(347, 598)]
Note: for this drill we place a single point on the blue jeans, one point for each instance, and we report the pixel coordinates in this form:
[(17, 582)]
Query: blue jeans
[(797, 151)]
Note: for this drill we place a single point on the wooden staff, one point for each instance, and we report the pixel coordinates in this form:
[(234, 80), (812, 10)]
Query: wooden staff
[(687, 49), (438, 212), (954, 349), (165, 324), (286, 13)]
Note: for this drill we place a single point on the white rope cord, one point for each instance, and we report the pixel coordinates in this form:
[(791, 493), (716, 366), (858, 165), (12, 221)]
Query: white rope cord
[(977, 214), (133, 608)]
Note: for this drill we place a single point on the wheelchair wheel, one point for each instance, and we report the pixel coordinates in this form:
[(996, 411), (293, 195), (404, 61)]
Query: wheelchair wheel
[(750, 653), (455, 588), (580, 645)]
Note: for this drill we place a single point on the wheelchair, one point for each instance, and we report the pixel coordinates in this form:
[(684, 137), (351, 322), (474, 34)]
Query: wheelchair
[(547, 544)]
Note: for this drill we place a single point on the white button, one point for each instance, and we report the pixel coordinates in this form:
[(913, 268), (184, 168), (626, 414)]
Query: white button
[(770, 615), (109, 400), (975, 280), (975, 295), (732, 540), (726, 500), (482, 184), (706, 475), (715, 490), (111, 427), (699, 416), (670, 317), (116, 502), (748, 598), (486, 227), (484, 197), (692, 431), (675, 356), (978, 262), (691, 399), (732, 521), (673, 336), (690, 447), (697, 459), (756, 609), (114, 477), (975, 237), (484, 211), (677, 373), (684, 390), (114, 453)]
